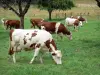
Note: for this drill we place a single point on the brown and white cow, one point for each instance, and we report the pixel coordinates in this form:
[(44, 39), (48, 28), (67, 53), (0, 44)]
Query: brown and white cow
[(25, 39), (80, 18), (73, 22), (55, 27), (35, 22), (11, 23)]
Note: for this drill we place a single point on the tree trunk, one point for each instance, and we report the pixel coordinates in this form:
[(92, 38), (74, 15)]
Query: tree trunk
[(22, 22), (50, 12)]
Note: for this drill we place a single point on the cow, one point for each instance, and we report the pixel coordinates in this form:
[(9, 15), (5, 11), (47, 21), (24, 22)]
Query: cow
[(11, 23), (56, 27), (35, 22), (26, 39), (80, 18), (73, 22)]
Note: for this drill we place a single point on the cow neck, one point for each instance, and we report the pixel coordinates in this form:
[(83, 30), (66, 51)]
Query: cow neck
[(51, 46), (5, 22), (11, 31), (66, 31)]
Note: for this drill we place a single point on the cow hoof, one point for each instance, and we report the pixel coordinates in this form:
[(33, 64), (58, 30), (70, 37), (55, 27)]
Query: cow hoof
[(76, 30), (30, 62)]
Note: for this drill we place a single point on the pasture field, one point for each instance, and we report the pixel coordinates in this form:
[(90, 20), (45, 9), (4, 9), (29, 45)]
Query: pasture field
[(81, 56)]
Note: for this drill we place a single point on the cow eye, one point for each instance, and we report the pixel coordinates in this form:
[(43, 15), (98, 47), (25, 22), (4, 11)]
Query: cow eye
[(53, 54)]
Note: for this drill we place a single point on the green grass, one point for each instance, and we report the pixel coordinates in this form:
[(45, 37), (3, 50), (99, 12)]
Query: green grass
[(81, 56)]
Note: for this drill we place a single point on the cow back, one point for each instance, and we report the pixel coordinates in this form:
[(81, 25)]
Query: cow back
[(49, 26)]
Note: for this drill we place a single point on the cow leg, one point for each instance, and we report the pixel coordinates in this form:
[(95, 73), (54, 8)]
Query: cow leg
[(56, 36), (10, 27), (14, 60), (35, 55), (61, 35), (31, 26), (41, 60), (34, 26), (75, 28), (41, 56), (57, 28), (12, 53), (7, 27)]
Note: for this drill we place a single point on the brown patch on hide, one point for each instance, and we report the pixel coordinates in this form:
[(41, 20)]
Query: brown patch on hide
[(38, 45), (27, 34), (49, 26), (48, 42), (76, 23), (24, 40), (34, 34), (63, 29), (81, 19), (35, 31), (12, 24), (11, 31), (35, 22), (11, 51), (33, 45)]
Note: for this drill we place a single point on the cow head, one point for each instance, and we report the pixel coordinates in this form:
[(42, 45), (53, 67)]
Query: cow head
[(57, 57), (43, 27), (2, 20), (80, 18)]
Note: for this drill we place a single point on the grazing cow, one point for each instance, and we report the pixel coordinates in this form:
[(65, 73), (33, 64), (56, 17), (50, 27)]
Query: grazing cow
[(11, 23), (33, 39), (73, 22), (80, 18), (56, 27), (35, 22)]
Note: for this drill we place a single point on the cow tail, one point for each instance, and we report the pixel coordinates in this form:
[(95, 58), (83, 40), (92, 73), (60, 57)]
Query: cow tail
[(2, 20), (11, 48), (33, 25), (10, 34)]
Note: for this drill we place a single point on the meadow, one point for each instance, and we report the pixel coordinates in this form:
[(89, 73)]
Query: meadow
[(81, 55)]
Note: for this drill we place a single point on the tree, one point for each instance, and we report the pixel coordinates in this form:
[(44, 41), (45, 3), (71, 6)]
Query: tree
[(98, 3), (22, 5), (51, 5)]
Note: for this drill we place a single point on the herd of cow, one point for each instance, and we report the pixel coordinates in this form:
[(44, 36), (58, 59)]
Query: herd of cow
[(39, 38)]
